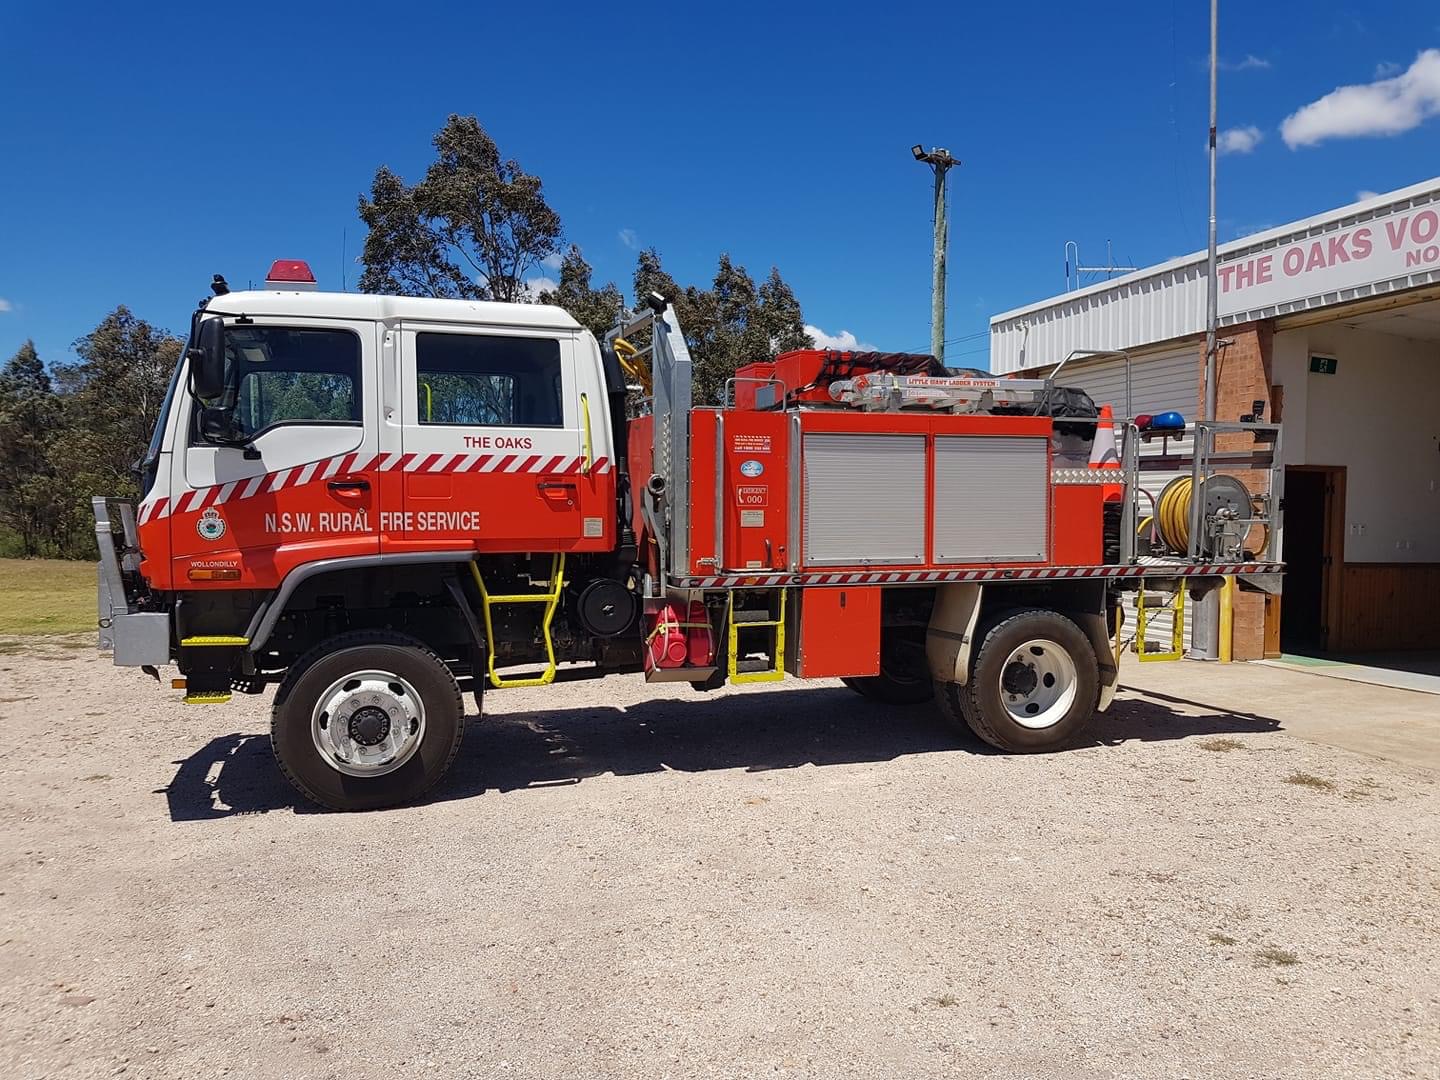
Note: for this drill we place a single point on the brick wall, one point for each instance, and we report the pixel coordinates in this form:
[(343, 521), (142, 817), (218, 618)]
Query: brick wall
[(1242, 378)]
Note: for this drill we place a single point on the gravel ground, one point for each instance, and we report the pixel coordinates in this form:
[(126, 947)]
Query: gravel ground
[(622, 881)]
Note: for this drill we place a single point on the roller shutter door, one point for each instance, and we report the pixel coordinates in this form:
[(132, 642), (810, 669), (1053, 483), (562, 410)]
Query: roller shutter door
[(1158, 384), (990, 496), (864, 499)]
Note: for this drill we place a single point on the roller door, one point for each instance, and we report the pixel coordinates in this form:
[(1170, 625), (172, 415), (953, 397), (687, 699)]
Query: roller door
[(864, 499)]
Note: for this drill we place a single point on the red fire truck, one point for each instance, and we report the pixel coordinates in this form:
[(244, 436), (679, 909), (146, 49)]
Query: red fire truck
[(375, 503)]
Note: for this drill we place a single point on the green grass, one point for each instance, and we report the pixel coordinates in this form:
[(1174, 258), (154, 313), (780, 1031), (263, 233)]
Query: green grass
[(46, 596)]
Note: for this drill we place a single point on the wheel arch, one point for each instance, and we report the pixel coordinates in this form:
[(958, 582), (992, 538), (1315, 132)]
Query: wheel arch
[(267, 615), (963, 610)]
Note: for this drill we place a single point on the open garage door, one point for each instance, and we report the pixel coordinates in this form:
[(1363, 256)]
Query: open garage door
[(1362, 398)]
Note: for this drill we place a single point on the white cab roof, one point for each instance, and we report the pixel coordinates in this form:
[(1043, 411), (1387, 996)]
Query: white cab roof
[(387, 308)]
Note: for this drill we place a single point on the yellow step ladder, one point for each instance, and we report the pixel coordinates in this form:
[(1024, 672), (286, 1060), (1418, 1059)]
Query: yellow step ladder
[(551, 600), (232, 641), (756, 671), (1177, 626)]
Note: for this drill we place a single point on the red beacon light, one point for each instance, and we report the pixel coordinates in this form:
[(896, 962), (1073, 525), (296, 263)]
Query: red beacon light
[(290, 274)]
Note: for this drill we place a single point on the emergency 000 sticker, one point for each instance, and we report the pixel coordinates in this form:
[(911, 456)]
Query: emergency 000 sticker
[(752, 495)]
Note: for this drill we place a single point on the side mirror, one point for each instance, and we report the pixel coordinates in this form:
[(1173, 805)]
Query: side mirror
[(207, 360)]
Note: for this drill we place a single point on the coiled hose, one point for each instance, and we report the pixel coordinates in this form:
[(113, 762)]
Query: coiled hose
[(1172, 513)]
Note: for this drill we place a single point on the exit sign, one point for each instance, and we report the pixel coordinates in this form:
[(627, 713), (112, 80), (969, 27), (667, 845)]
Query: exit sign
[(1323, 365)]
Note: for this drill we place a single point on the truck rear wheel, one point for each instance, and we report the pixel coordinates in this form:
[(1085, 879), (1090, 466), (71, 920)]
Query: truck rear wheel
[(1034, 684), (366, 720), (904, 677)]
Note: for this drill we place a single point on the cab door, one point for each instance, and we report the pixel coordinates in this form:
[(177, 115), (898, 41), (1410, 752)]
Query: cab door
[(496, 453), (306, 397)]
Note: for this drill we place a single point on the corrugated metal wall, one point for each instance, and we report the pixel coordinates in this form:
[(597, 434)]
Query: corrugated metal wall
[(1129, 315), (1167, 301)]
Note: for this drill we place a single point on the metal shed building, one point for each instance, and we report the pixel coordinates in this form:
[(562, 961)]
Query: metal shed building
[(1334, 323)]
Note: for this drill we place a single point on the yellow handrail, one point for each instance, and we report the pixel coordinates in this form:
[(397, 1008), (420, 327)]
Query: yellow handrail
[(550, 599), (589, 449)]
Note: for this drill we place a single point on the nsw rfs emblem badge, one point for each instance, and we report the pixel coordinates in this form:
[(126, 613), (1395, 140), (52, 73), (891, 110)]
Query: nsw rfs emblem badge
[(211, 525)]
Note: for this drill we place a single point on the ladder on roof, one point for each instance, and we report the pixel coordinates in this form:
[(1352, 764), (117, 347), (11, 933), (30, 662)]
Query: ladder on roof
[(883, 392)]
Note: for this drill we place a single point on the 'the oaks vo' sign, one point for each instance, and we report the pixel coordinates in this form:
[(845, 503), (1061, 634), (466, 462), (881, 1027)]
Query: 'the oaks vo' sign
[(1405, 242)]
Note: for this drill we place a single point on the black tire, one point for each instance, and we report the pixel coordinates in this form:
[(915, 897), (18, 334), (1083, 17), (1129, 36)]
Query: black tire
[(308, 679), (904, 677), (980, 704), (890, 691)]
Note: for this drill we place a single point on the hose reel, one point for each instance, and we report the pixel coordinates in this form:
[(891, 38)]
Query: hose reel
[(1226, 510)]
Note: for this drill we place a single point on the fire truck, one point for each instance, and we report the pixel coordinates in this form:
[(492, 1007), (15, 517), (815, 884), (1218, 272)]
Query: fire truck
[(375, 504)]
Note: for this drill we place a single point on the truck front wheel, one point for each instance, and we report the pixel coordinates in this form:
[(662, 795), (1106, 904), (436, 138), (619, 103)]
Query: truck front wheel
[(366, 720), (1034, 684)]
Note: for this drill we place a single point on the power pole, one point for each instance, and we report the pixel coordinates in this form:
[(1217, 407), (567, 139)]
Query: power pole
[(941, 162)]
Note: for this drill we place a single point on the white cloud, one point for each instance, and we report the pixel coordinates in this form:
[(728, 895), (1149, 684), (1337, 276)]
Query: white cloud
[(1239, 140), (536, 285), (1383, 107), (844, 341), (1250, 63), (552, 261), (630, 239), (5, 305), (1386, 68), (1366, 193)]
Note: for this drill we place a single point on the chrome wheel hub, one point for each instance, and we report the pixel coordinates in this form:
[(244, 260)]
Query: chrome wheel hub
[(368, 723), (1038, 684)]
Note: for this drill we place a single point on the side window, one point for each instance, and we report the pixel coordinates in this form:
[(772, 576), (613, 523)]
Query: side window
[(292, 376), (484, 380)]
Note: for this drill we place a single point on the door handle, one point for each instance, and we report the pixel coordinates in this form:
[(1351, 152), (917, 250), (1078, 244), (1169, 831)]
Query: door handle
[(547, 485), (348, 485)]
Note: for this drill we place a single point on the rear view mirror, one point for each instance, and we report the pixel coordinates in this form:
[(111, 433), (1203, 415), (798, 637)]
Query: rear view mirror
[(207, 360)]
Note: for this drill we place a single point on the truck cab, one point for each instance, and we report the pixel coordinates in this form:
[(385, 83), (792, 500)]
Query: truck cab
[(351, 425)]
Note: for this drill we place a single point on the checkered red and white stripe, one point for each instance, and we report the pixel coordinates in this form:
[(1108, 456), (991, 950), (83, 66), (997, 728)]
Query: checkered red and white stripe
[(1010, 573), (154, 507)]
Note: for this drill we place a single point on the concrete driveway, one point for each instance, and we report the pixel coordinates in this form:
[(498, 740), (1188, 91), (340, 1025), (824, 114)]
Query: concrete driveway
[(1379, 721)]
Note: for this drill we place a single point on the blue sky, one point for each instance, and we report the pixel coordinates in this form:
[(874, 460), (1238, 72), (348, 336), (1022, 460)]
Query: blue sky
[(145, 151)]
